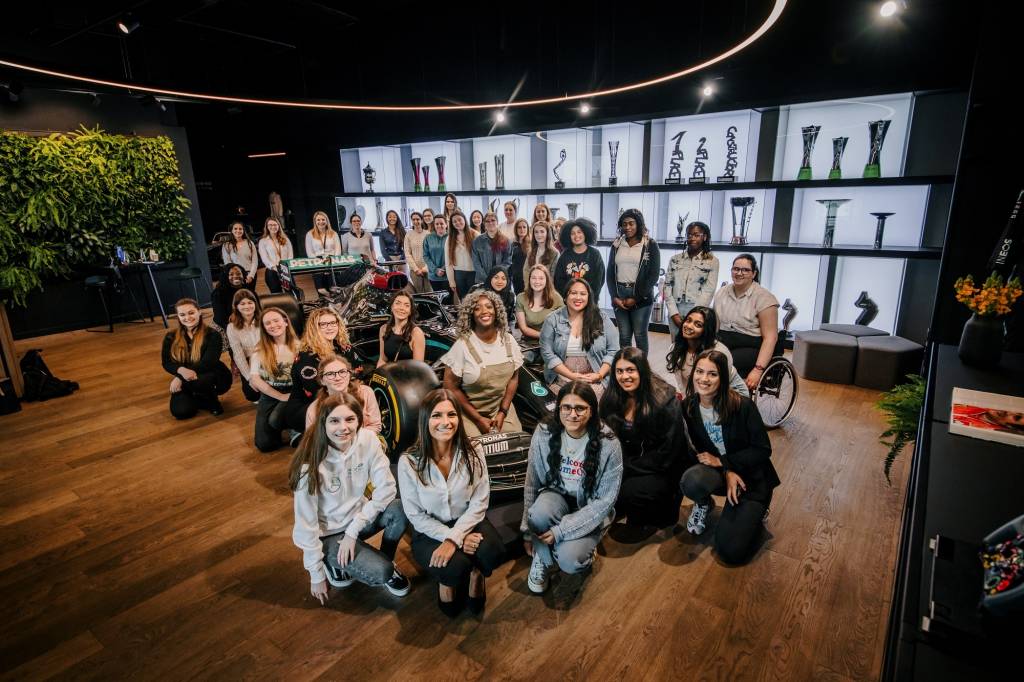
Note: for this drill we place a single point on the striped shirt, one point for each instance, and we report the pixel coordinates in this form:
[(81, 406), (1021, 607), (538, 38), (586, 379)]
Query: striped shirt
[(739, 313)]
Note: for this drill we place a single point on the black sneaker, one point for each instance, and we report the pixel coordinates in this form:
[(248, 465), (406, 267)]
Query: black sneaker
[(295, 438), (398, 584), (216, 408), (337, 577)]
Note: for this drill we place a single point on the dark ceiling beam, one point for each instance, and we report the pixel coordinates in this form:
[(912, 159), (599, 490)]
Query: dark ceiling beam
[(237, 34), (312, 4)]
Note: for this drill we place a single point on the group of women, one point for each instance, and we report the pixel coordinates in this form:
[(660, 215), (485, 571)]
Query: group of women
[(620, 443)]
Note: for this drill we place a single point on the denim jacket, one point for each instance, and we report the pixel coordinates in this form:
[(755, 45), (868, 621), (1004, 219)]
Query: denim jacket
[(690, 281), (485, 258), (433, 256), (591, 513), (554, 337)]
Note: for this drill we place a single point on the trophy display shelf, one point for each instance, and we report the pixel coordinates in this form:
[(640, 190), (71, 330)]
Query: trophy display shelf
[(704, 187), (859, 250)]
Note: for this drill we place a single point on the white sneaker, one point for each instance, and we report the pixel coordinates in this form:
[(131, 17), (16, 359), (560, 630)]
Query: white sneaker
[(538, 579), (698, 520)]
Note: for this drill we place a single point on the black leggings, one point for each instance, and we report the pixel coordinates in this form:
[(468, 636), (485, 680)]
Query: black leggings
[(488, 556), (464, 280), (649, 500), (739, 526), (270, 414), (201, 392), (273, 280)]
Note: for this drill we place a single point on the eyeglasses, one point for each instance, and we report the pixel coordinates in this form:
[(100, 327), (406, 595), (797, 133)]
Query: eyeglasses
[(339, 374), (580, 410), (327, 324), (742, 271)]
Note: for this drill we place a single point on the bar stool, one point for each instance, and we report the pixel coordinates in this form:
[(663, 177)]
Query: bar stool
[(114, 283), (192, 274)]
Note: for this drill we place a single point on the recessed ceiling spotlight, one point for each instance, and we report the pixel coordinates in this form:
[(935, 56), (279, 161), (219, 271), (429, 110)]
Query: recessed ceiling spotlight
[(500, 117), (888, 8), (584, 108), (127, 24), (707, 91)]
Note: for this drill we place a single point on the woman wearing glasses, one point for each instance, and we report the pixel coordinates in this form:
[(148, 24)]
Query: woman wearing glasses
[(572, 482), (325, 335), (748, 319), (335, 375)]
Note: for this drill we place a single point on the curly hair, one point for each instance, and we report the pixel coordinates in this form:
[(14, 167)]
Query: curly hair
[(586, 226), (465, 325)]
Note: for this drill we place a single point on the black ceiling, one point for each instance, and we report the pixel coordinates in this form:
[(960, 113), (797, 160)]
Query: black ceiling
[(430, 51)]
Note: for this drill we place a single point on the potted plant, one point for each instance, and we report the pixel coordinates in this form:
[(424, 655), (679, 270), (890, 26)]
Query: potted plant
[(981, 344), (902, 407)]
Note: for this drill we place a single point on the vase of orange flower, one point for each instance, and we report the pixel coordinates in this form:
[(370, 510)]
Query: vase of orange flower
[(981, 344)]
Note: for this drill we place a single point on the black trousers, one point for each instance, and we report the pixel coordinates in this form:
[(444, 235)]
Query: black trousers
[(488, 556), (295, 414), (464, 281), (270, 414), (649, 500), (250, 393), (201, 392), (744, 349), (739, 526), (273, 280)]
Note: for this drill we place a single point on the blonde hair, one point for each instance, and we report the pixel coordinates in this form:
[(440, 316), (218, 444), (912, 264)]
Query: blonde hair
[(326, 233), (311, 339), (279, 238), (179, 345), (267, 350)]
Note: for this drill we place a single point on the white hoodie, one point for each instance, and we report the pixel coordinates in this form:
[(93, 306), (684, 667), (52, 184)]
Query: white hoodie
[(342, 503)]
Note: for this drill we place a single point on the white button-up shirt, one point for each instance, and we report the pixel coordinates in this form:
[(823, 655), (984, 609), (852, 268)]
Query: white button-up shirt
[(431, 505)]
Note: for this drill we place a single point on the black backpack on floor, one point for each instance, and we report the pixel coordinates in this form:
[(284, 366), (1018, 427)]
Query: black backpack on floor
[(40, 384)]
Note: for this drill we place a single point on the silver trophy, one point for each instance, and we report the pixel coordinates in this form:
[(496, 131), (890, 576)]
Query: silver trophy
[(439, 162), (791, 312), (573, 207), (880, 227), (559, 183), (699, 176), (741, 215), (731, 148), (483, 175), (675, 173), (876, 133), (680, 226), (494, 205), (810, 134), (831, 210), (613, 156), (499, 172), (838, 147)]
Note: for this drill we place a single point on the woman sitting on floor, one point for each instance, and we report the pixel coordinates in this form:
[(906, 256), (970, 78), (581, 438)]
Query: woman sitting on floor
[(482, 366), (734, 456), (643, 412), (445, 493), (270, 373), (698, 333), (332, 471), (244, 337), (232, 280), (336, 377), (191, 354), (572, 481)]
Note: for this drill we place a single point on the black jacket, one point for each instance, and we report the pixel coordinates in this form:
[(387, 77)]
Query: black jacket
[(658, 446), (646, 277), (209, 358), (747, 444)]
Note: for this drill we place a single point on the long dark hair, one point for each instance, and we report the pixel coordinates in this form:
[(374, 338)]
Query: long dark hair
[(593, 323), (399, 228), (677, 353), (236, 318), (422, 450), (389, 326), (555, 428), (468, 232), (727, 401), (315, 445), (652, 394), (705, 247)]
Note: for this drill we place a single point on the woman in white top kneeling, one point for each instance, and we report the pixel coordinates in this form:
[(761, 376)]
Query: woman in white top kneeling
[(333, 467), (445, 493), (482, 367)]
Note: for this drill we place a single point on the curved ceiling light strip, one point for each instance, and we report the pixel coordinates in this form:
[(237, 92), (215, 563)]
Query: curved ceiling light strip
[(773, 17)]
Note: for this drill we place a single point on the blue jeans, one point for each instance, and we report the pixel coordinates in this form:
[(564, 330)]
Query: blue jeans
[(371, 566), (572, 556), (632, 323)]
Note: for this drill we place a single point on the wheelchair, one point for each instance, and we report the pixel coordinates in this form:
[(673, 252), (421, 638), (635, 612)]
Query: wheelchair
[(776, 391)]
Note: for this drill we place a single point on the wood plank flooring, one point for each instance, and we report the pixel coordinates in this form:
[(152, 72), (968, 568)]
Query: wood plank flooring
[(133, 545)]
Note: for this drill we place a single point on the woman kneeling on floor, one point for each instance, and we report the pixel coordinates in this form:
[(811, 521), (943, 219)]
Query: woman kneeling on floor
[(335, 374), (572, 482), (734, 456), (445, 494), (270, 373), (191, 355), (331, 471), (643, 412)]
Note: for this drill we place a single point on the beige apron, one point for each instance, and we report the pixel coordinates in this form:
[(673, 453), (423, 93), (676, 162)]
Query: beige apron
[(487, 392)]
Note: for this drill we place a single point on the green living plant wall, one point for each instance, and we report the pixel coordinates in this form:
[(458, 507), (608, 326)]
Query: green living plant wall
[(70, 199)]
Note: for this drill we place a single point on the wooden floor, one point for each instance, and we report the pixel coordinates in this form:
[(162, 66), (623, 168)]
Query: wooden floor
[(133, 545)]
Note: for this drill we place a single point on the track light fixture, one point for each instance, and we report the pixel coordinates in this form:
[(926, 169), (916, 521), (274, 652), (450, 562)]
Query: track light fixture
[(500, 117), (127, 24), (584, 108)]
